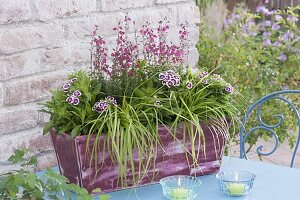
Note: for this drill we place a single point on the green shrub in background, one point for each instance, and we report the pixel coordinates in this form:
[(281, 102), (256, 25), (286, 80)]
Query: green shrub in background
[(259, 53)]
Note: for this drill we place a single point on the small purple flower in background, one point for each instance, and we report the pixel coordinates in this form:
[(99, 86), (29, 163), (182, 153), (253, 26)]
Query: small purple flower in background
[(229, 89), (77, 93), (275, 27), (267, 42), (266, 34), (278, 18), (66, 86), (169, 78), (277, 44), (282, 57), (227, 22), (203, 74), (75, 101), (235, 16), (100, 106), (266, 1), (70, 100), (260, 8), (287, 35), (291, 18), (189, 85), (268, 23)]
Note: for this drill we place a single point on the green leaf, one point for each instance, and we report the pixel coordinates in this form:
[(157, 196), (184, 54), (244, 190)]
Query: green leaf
[(76, 131), (18, 156), (47, 127)]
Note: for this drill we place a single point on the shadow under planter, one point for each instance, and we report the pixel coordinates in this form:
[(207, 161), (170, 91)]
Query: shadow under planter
[(76, 164)]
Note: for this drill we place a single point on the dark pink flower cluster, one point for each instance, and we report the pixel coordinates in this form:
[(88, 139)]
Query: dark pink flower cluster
[(99, 55), (156, 48), (169, 78), (125, 53)]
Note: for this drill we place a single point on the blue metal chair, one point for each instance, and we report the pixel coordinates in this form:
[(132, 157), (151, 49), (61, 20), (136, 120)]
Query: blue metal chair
[(269, 128)]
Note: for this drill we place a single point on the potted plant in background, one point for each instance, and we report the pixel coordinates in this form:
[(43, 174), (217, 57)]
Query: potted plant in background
[(141, 118)]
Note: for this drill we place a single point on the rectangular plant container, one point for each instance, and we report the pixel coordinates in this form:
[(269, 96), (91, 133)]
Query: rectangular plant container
[(172, 159)]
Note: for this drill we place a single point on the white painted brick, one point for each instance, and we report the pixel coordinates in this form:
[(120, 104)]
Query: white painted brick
[(188, 12), (18, 118), (193, 57), (169, 1), (49, 9), (14, 11), (1, 94), (153, 16), (19, 64), (32, 139), (30, 36), (46, 160), (32, 88), (42, 60), (112, 5)]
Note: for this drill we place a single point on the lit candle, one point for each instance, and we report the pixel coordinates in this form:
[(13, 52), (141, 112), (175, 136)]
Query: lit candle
[(180, 193), (236, 189)]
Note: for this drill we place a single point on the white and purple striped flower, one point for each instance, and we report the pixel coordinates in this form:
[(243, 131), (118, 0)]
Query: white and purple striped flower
[(70, 99), (77, 93), (72, 80), (65, 87), (158, 103), (169, 78), (112, 100), (76, 101), (229, 89), (203, 74), (217, 77), (100, 106), (189, 85)]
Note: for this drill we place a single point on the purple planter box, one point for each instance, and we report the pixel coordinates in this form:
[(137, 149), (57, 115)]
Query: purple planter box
[(171, 160)]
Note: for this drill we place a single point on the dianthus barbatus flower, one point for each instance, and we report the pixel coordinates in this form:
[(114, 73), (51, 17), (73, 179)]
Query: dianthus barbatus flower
[(229, 89), (112, 100), (203, 74), (77, 93), (65, 87), (189, 85), (100, 106), (169, 78)]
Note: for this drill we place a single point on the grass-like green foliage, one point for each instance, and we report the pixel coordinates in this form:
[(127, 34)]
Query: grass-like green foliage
[(130, 100), (258, 53), (23, 184)]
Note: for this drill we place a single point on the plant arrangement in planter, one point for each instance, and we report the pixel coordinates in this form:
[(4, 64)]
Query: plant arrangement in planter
[(141, 118)]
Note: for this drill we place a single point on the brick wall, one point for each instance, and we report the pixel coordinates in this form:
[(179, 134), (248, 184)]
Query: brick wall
[(41, 41)]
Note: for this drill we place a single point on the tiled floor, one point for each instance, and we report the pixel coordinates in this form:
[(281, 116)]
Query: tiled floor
[(282, 156)]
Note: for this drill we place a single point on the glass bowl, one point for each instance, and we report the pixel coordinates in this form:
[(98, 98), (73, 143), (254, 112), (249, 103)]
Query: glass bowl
[(235, 183), (180, 187)]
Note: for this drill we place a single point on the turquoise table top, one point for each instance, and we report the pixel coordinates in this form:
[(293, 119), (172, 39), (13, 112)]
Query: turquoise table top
[(272, 183)]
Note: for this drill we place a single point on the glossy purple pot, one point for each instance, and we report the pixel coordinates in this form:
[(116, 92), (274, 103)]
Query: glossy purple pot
[(75, 164)]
